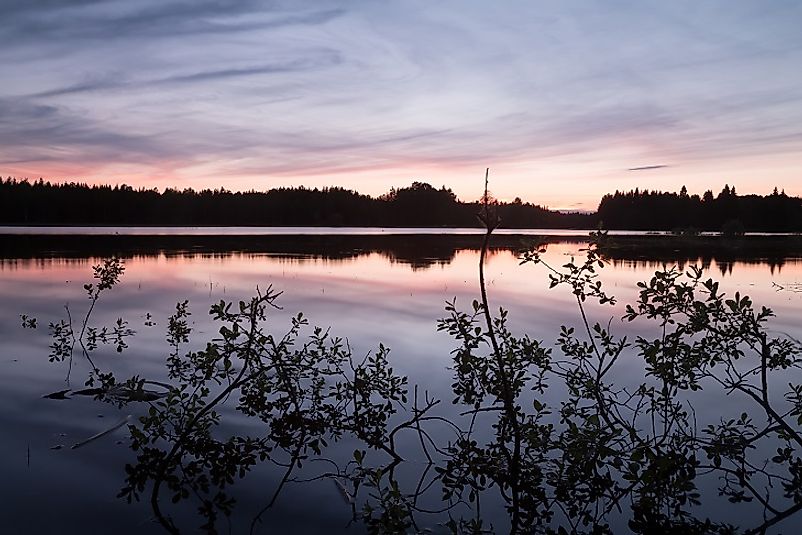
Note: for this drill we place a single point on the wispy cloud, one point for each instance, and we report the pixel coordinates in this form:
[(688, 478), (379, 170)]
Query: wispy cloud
[(647, 167), (92, 20), (117, 82), (34, 132)]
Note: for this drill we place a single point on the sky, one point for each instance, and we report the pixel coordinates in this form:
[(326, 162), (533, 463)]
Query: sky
[(563, 100)]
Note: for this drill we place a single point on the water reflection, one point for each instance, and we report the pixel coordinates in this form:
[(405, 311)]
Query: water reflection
[(416, 251), (371, 292)]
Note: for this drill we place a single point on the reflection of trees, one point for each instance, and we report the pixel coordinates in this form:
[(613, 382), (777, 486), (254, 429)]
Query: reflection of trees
[(417, 251), (420, 251), (653, 252), (725, 267)]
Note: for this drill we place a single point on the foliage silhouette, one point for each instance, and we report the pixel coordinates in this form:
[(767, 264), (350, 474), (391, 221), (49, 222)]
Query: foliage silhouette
[(42, 203)]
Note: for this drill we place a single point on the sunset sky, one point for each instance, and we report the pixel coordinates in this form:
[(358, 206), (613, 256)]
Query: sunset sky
[(564, 101)]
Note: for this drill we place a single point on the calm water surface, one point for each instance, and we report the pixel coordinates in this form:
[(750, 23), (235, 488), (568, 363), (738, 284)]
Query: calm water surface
[(369, 298)]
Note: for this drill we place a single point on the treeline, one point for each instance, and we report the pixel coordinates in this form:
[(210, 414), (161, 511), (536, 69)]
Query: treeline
[(419, 205), (24, 202), (727, 212)]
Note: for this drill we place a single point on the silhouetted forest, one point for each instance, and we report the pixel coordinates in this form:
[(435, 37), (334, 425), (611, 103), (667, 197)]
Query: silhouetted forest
[(23, 202), (419, 205), (727, 212)]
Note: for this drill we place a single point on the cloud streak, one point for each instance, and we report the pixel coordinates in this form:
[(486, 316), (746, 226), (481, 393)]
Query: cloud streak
[(105, 20), (647, 167), (115, 83)]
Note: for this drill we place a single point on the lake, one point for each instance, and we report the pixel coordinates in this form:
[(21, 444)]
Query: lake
[(385, 286)]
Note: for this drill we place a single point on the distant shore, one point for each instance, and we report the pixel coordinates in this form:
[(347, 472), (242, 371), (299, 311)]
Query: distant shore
[(417, 206)]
